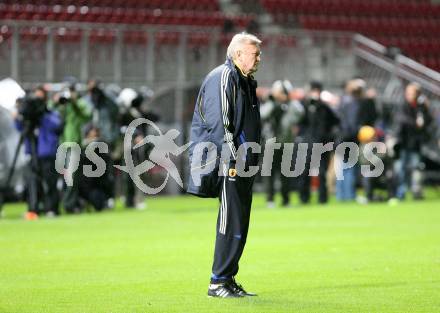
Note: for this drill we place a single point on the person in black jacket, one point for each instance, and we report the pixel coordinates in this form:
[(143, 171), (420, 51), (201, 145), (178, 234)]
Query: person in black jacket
[(132, 108), (317, 126), (349, 112), (413, 122), (367, 116), (280, 116), (93, 189)]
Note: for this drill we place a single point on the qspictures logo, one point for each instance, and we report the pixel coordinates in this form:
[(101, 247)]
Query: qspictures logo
[(206, 155)]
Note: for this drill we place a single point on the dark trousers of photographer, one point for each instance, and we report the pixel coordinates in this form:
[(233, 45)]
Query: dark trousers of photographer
[(51, 197), (274, 175), (134, 196), (304, 186), (71, 193), (42, 193), (34, 186)]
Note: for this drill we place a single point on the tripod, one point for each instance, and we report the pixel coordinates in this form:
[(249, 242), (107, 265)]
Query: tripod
[(27, 133)]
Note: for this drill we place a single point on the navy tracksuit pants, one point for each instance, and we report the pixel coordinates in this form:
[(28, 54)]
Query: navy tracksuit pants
[(232, 225)]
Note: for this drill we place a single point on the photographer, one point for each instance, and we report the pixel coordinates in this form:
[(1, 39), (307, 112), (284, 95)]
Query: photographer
[(104, 112), (40, 128), (93, 189), (412, 123), (105, 115), (317, 126), (75, 113), (280, 116), (131, 108)]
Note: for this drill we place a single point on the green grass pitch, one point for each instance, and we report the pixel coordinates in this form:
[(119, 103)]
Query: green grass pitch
[(334, 258)]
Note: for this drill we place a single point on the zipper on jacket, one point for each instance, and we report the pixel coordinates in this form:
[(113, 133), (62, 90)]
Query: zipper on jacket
[(206, 163), (234, 95)]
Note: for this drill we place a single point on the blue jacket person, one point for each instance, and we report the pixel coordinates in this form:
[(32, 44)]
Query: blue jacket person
[(227, 115)]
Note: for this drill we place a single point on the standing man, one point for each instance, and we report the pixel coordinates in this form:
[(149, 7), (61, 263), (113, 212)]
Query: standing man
[(41, 128), (317, 126), (280, 116), (227, 114), (75, 113), (413, 127), (349, 116)]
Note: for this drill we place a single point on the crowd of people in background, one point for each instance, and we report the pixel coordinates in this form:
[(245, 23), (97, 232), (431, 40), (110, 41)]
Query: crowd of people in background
[(47, 119), (291, 115), (314, 115)]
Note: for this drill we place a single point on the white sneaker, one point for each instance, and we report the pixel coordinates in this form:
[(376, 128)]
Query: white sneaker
[(393, 201), (141, 206)]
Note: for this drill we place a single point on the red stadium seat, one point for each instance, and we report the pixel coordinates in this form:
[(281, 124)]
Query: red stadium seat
[(390, 21), (199, 39)]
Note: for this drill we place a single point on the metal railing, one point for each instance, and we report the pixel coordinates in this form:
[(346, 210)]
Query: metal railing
[(386, 69), (157, 61), (390, 74)]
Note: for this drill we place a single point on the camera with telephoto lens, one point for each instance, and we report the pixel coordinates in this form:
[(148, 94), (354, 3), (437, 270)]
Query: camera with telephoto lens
[(31, 109), (64, 96)]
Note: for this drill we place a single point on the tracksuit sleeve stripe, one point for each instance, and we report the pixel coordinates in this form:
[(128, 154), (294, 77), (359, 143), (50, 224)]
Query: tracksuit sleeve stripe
[(229, 138)]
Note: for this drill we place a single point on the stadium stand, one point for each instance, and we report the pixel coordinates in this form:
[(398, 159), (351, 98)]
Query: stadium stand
[(198, 13), (412, 25), (97, 24)]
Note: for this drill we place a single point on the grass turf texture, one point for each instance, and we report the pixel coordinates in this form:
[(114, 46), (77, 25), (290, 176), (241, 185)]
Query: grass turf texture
[(334, 258)]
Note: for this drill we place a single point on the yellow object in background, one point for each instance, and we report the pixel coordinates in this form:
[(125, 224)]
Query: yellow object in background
[(366, 134)]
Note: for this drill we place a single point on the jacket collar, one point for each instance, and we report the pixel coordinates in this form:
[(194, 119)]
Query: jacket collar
[(231, 65)]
